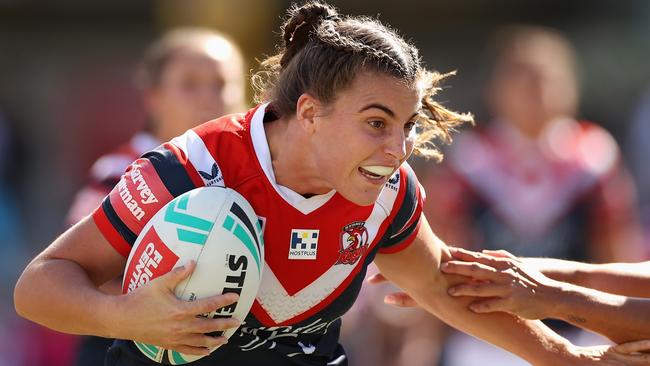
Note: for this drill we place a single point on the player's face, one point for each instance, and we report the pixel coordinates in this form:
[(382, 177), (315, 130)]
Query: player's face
[(365, 135), (194, 87)]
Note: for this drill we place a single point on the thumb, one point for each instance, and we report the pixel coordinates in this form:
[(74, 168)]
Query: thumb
[(179, 274), (376, 279), (400, 299)]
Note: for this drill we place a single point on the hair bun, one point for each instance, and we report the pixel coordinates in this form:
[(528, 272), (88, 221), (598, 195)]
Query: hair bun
[(301, 21)]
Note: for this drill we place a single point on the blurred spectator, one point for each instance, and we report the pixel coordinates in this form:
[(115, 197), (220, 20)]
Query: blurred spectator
[(638, 150), (535, 181), (187, 77)]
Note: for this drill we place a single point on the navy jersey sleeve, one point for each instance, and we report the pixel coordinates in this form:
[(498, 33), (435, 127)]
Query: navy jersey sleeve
[(405, 216), (146, 186)]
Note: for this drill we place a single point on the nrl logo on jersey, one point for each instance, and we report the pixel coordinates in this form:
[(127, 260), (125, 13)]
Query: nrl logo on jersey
[(213, 178), (354, 243)]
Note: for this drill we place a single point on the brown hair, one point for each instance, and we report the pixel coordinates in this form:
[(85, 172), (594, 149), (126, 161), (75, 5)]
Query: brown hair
[(322, 52)]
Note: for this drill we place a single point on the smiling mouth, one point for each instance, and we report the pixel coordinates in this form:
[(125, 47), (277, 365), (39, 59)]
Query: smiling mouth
[(376, 172)]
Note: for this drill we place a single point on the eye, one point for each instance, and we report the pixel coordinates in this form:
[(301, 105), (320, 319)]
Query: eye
[(409, 125), (376, 123)]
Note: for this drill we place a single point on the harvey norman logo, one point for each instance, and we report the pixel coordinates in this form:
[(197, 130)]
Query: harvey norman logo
[(143, 193), (304, 244)]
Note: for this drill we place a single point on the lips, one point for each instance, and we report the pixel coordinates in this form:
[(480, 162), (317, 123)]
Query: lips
[(376, 172)]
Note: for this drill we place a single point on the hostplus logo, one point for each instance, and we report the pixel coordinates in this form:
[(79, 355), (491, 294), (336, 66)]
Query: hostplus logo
[(213, 178), (304, 244)]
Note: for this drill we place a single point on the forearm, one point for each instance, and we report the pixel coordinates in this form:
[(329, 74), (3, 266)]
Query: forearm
[(417, 271), (629, 279), (561, 270), (620, 318), (58, 294), (530, 340)]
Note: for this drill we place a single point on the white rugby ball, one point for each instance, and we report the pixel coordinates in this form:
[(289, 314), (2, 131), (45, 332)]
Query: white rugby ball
[(218, 229)]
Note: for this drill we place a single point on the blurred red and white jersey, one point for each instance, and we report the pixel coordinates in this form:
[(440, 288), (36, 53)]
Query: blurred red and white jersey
[(106, 172), (564, 194)]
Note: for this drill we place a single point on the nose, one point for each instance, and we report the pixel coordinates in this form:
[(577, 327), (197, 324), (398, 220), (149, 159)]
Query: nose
[(395, 145)]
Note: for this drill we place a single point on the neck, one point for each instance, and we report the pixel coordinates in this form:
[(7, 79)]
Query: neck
[(293, 161)]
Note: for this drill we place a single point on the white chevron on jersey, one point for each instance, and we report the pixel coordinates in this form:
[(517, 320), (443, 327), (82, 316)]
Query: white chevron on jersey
[(197, 153), (261, 147), (281, 306), (517, 201)]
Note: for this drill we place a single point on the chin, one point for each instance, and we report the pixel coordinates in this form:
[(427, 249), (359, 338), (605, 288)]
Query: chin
[(362, 199)]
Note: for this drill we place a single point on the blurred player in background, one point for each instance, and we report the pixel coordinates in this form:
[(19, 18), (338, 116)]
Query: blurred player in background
[(188, 76), (535, 181)]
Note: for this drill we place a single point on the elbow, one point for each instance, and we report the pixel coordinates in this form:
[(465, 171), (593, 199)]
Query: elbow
[(23, 293), (21, 297)]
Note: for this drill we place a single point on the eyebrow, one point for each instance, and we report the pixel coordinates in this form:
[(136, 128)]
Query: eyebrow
[(382, 107)]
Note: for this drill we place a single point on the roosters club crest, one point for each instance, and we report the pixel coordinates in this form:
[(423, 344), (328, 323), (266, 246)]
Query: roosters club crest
[(354, 242)]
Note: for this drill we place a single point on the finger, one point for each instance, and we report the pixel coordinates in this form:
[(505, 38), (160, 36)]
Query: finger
[(178, 274), (489, 306), (210, 304), (470, 256), (630, 359), (377, 279), (191, 350), (501, 253), (400, 299), (205, 341), (202, 325), (631, 347), (470, 269), (480, 290)]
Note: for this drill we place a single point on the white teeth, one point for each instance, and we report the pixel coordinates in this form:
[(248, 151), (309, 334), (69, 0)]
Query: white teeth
[(379, 170)]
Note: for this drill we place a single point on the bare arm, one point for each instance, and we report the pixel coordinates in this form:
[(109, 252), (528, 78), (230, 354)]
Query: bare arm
[(513, 286), (59, 289), (628, 279), (416, 270)]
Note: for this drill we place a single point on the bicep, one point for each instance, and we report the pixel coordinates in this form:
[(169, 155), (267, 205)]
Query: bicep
[(84, 245)]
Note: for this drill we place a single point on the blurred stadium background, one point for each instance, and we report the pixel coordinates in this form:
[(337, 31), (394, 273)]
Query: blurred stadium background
[(67, 93)]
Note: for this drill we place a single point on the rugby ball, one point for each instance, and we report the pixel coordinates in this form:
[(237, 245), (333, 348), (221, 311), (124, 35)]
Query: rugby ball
[(218, 229)]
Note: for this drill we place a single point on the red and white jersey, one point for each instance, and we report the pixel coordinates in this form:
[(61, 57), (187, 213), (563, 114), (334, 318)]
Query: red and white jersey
[(564, 194), (106, 172), (316, 248)]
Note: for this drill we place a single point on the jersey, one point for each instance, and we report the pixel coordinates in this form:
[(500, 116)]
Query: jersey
[(106, 172), (316, 248), (564, 194)]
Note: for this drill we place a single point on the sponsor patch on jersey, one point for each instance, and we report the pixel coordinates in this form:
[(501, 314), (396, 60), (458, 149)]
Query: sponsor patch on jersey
[(152, 259), (304, 244), (354, 242), (139, 195)]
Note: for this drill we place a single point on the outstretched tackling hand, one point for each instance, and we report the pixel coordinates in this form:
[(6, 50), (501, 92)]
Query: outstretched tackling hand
[(503, 283), (154, 315), (499, 280)]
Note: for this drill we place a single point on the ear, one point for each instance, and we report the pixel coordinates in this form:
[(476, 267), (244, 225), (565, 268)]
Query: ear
[(307, 107)]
